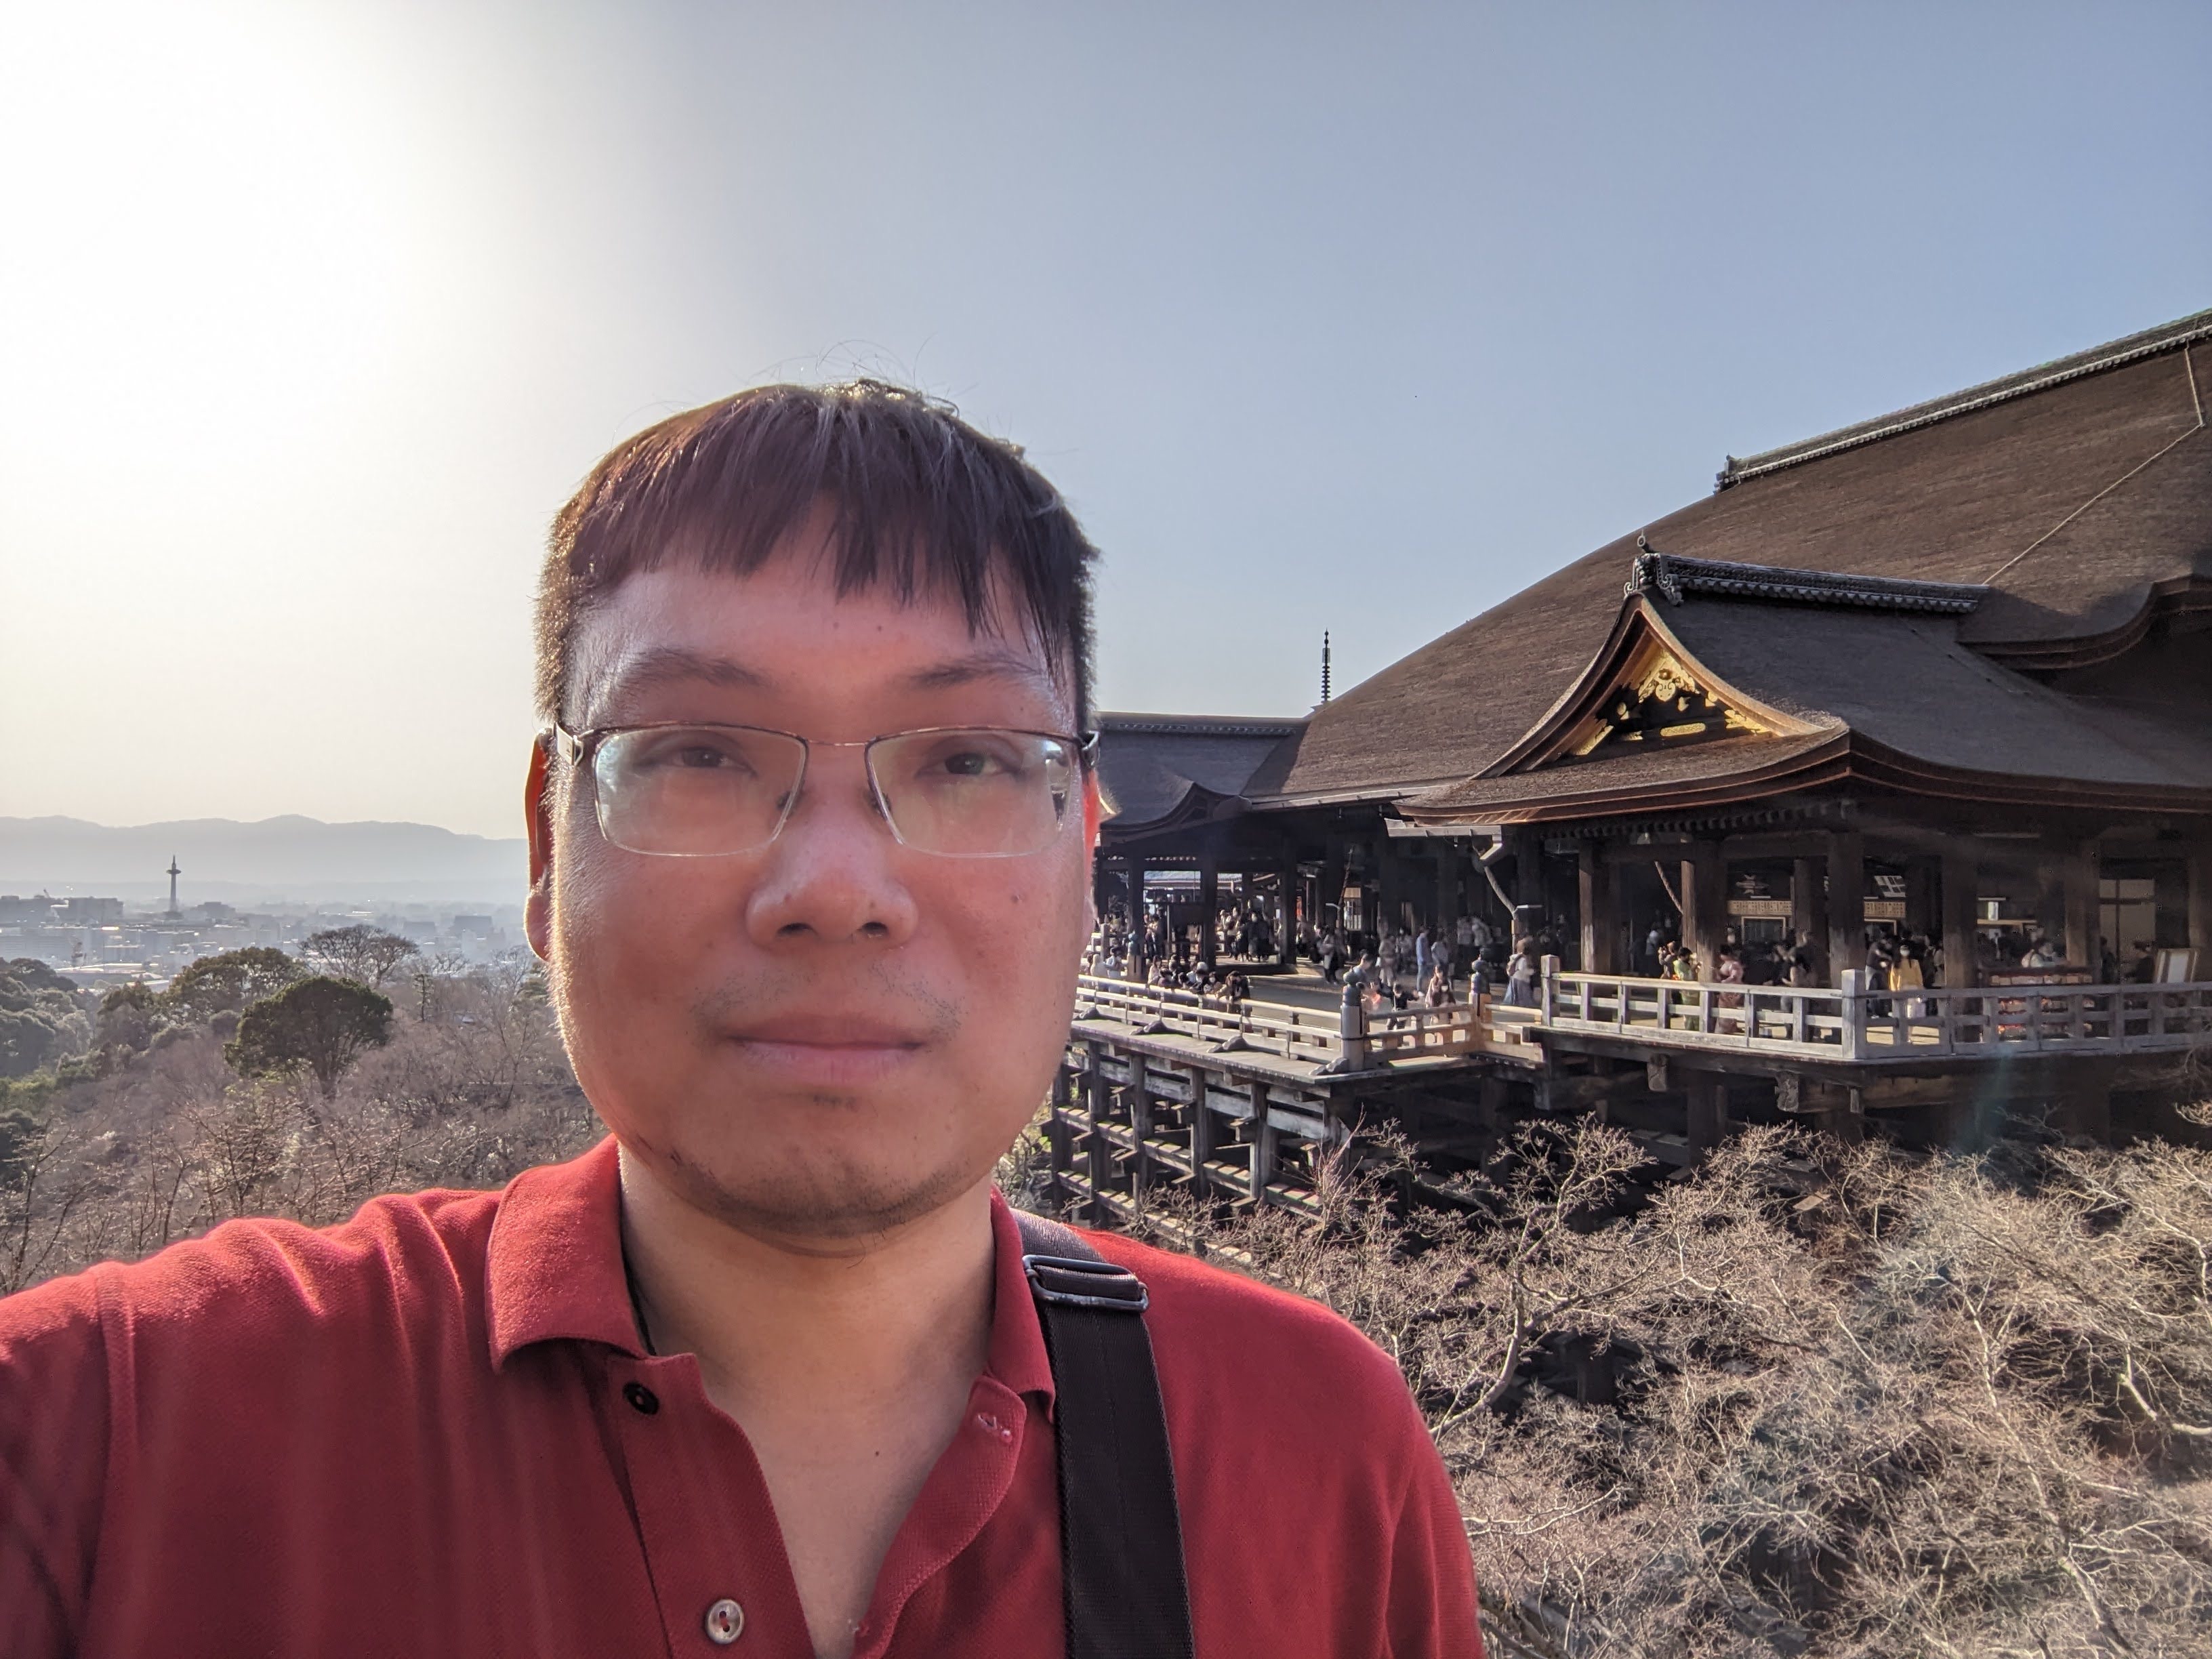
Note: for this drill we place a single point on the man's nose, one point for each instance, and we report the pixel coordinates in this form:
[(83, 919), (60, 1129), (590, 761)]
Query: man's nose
[(833, 874)]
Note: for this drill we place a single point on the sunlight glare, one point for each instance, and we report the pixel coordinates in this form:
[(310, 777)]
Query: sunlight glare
[(204, 248)]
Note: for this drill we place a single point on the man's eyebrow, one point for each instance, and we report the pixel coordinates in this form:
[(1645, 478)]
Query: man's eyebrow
[(985, 665), (670, 665)]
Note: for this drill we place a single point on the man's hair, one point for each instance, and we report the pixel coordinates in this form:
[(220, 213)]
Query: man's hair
[(923, 502)]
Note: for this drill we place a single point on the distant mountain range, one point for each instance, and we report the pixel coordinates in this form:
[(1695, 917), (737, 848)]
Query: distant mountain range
[(287, 858)]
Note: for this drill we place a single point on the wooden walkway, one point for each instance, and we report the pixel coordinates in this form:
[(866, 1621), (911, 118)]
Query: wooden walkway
[(1275, 1038), (1857, 1025)]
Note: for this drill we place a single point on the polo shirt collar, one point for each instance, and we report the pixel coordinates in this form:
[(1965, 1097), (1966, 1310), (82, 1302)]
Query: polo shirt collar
[(554, 1271), (554, 1266)]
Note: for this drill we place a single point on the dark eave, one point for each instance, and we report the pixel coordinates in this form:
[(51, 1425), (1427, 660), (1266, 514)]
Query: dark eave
[(1674, 578)]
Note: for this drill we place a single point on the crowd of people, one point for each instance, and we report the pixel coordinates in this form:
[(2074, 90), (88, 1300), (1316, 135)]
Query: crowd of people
[(1470, 960)]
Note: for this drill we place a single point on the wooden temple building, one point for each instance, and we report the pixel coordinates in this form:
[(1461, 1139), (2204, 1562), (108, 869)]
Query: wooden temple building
[(1944, 676)]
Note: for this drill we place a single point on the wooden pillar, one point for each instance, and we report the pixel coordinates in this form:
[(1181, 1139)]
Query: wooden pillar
[(2051, 895), (2080, 887), (1286, 939), (1389, 889), (1140, 1127), (1329, 910), (1846, 904), (1594, 897), (1263, 1147), (1528, 876), (1708, 1094), (1205, 1135), (1704, 905), (1209, 901), (1136, 969), (1446, 910), (1808, 902), (2200, 908), (1094, 1108), (1056, 1134), (1961, 879)]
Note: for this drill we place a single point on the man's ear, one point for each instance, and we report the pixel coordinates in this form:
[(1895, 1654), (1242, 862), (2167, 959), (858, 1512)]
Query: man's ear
[(1094, 812), (537, 812)]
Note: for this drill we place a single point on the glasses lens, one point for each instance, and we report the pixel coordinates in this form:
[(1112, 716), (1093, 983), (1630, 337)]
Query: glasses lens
[(974, 794), (699, 790)]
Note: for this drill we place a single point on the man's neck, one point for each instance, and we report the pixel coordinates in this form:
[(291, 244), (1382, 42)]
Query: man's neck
[(807, 1325), (847, 1363)]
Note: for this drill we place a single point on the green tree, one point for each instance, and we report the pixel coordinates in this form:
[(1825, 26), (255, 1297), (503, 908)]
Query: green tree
[(233, 980), (361, 953), (42, 1017), (320, 1024), (130, 1016)]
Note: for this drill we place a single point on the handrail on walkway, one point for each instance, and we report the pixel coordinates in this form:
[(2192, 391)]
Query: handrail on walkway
[(1858, 1023), (1349, 1039)]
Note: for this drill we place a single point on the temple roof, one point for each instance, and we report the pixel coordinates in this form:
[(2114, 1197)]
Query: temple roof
[(1161, 770), (2078, 495), (1815, 693)]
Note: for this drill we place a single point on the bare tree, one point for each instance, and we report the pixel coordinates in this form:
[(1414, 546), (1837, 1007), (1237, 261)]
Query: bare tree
[(361, 953)]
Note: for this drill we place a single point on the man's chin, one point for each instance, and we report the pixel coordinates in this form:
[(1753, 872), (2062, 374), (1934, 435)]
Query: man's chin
[(822, 1200)]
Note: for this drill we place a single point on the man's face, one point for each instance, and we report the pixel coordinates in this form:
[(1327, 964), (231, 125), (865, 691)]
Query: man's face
[(833, 1033)]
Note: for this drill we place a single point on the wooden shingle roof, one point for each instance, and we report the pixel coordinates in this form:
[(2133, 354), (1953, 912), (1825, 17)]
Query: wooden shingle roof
[(2079, 493), (1887, 696), (1156, 769)]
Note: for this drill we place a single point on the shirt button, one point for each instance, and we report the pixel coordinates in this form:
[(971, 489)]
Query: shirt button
[(725, 1622), (646, 1401)]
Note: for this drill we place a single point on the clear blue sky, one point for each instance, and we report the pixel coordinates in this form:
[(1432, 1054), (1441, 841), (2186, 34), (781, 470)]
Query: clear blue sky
[(1353, 316)]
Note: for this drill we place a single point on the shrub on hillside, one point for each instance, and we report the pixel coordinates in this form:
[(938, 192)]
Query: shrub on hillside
[(1812, 1399), (319, 1025)]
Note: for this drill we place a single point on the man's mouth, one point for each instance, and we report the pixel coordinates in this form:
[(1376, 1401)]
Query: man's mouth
[(827, 1050)]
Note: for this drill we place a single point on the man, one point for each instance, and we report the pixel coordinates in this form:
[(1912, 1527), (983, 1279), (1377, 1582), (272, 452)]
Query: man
[(811, 827)]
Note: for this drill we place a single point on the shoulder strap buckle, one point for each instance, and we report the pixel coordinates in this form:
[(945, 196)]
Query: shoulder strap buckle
[(1068, 1282)]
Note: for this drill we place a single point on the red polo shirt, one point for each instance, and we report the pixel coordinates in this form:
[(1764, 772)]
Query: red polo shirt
[(431, 1430)]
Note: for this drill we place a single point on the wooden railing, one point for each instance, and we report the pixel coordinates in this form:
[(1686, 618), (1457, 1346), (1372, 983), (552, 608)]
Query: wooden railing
[(1858, 1025), (1295, 1034), (1346, 1039)]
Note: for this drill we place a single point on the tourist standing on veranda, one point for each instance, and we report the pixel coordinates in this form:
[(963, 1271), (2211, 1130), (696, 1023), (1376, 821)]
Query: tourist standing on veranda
[(811, 828), (1520, 975)]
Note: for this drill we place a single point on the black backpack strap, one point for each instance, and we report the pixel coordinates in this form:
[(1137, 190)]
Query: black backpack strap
[(1120, 1534)]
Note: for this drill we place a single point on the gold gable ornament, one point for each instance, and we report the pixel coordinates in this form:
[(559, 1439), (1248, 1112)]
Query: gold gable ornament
[(1659, 701)]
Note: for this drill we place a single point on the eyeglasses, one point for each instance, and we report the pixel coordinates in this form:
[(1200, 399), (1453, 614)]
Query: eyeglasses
[(709, 791)]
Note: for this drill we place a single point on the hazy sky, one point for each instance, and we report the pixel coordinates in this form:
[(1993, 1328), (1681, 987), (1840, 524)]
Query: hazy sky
[(1353, 316)]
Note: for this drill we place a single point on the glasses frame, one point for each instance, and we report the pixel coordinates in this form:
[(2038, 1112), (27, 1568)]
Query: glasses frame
[(580, 748)]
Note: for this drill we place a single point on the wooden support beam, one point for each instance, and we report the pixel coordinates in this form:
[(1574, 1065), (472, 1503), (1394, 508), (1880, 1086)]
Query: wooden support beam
[(1601, 924), (1703, 892), (1205, 1134), (1056, 1128), (1961, 879), (1528, 846), (1209, 903), (1846, 904), (1136, 955), (1708, 1125), (1263, 1147), (1140, 1121), (1286, 940), (2200, 907), (1094, 1106), (2080, 887), (1808, 902)]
